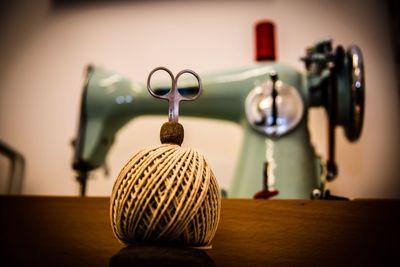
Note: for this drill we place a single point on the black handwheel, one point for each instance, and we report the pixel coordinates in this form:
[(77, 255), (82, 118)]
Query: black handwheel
[(354, 124)]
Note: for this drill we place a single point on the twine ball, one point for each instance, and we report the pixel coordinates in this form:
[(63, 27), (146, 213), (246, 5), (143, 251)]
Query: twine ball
[(166, 194)]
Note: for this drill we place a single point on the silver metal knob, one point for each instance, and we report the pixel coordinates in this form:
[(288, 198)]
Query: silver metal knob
[(274, 108)]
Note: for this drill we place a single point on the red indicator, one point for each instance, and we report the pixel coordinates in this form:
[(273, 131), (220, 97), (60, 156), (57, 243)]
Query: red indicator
[(265, 41)]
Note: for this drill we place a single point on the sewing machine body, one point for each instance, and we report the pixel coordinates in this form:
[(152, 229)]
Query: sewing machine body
[(268, 100), (110, 101)]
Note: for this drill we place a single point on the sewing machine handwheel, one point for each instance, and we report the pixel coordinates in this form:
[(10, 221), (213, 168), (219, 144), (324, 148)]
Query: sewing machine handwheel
[(350, 86), (354, 124)]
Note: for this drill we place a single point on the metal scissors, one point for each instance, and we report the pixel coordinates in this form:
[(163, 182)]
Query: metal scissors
[(174, 96)]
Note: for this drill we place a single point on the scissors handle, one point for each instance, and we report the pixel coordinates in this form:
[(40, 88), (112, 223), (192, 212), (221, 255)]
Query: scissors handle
[(173, 96), (187, 71)]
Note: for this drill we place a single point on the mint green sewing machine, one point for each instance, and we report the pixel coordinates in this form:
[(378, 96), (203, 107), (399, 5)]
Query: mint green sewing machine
[(270, 101)]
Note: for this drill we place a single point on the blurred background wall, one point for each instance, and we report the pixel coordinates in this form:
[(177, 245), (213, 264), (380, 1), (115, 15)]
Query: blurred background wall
[(45, 47)]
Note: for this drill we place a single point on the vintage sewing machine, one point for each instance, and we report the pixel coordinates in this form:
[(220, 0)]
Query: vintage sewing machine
[(269, 100)]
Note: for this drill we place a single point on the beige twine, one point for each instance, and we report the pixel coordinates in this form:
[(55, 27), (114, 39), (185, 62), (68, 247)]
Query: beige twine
[(166, 194)]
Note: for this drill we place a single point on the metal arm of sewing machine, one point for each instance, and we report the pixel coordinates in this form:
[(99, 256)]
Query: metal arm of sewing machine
[(110, 100), (333, 80), (16, 170)]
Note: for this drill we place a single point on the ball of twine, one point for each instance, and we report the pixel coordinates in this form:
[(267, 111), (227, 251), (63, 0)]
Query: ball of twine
[(166, 194)]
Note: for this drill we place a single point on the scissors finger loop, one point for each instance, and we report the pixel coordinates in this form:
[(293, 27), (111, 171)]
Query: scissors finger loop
[(198, 81), (151, 91)]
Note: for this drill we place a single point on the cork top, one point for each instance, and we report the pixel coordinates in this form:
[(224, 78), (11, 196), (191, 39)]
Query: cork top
[(172, 133)]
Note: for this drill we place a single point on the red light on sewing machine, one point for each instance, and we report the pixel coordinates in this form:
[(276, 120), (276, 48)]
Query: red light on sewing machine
[(265, 41)]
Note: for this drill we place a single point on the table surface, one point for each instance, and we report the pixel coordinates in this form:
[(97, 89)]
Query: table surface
[(72, 231)]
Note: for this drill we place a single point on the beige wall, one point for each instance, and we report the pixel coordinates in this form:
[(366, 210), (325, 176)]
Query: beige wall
[(44, 52)]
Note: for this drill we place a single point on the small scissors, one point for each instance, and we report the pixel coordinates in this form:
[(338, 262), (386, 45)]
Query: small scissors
[(174, 96)]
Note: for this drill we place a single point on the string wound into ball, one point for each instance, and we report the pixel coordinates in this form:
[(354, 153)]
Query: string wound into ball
[(172, 132), (167, 194)]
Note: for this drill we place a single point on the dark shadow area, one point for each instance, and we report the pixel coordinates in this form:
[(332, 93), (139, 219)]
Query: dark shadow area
[(149, 255), (394, 20)]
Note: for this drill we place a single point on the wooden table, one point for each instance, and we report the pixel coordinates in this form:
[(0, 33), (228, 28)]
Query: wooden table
[(69, 231)]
